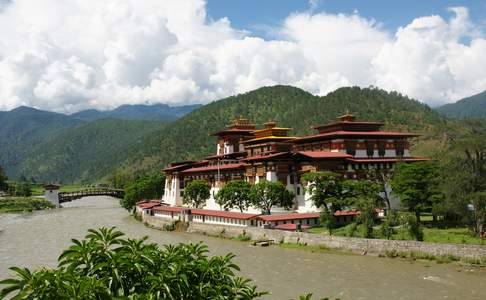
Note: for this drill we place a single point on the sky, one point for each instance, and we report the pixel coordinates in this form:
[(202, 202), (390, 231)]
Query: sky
[(70, 55)]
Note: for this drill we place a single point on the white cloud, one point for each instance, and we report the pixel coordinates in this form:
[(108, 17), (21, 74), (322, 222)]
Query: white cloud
[(76, 54)]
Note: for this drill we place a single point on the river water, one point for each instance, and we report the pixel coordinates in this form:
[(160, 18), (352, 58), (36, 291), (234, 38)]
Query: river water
[(37, 239)]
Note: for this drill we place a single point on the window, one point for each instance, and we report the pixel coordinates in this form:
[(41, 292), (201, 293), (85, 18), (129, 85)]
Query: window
[(370, 148), (298, 190), (381, 148), (291, 179), (351, 147), (400, 148)]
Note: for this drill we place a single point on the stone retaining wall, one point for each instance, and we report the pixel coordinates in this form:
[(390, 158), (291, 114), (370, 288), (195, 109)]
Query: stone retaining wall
[(156, 222), (357, 245)]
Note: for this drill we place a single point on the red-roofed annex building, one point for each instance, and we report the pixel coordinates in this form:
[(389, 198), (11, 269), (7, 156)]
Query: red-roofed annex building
[(244, 152)]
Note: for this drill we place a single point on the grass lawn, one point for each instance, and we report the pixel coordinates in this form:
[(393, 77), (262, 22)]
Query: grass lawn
[(460, 235), (451, 235)]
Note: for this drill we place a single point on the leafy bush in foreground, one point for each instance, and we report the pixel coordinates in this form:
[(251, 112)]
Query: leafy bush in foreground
[(105, 266)]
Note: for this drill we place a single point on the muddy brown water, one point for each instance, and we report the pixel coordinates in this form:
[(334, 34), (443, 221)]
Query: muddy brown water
[(37, 239)]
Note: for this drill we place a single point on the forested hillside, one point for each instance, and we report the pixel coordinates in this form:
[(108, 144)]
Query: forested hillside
[(471, 107), (23, 127), (49, 146), (187, 138), (96, 150), (86, 152)]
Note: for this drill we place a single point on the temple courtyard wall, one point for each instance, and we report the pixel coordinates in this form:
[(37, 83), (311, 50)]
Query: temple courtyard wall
[(356, 245)]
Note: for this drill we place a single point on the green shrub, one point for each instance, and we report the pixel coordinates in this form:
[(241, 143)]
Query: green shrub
[(107, 266), (244, 237), (169, 226)]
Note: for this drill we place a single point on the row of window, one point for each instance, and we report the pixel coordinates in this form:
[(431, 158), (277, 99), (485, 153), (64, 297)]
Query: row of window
[(220, 220)]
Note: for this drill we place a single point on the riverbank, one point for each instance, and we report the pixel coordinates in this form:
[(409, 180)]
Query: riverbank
[(23, 204), (475, 254)]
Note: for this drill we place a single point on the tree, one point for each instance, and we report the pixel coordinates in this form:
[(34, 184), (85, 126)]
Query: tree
[(233, 194), (411, 225), (365, 195), (386, 228), (196, 193), (328, 220), (105, 265), (464, 178), (383, 179), (417, 185), (479, 203), (3, 180), (266, 194), (326, 189), (22, 189), (146, 187)]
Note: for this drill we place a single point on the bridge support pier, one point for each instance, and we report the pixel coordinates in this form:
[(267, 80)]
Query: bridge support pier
[(51, 193)]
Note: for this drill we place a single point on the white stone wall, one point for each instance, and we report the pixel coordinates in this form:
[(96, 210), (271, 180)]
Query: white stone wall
[(52, 196), (172, 193), (167, 215)]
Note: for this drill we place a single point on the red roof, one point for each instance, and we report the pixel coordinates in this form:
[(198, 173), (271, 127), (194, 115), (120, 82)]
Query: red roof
[(223, 214), (266, 156), (214, 168), (356, 133), (290, 227), (291, 216), (386, 160), (347, 213), (324, 154), (148, 204), (169, 208)]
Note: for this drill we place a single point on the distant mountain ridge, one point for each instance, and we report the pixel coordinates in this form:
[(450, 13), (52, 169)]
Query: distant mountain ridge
[(27, 135), (470, 107), (155, 112)]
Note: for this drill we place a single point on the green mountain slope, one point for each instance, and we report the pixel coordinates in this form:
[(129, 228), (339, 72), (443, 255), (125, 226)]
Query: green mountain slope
[(91, 151), (24, 127), (187, 138), (85, 152), (471, 107)]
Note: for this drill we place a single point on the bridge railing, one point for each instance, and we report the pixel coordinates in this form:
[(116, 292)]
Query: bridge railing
[(69, 196)]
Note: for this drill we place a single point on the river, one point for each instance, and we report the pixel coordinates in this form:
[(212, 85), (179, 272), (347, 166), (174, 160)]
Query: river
[(37, 239)]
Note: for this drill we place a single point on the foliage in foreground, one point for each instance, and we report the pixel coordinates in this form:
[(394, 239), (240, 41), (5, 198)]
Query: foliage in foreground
[(105, 266), (146, 187), (14, 204)]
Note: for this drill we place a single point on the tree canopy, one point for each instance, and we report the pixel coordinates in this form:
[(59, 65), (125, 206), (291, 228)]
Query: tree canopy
[(196, 193), (417, 185), (105, 265), (266, 194), (234, 194), (325, 188), (146, 187)]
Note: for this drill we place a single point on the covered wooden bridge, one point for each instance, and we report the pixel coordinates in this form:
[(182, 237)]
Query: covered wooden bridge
[(70, 196)]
